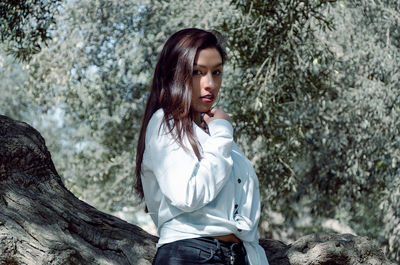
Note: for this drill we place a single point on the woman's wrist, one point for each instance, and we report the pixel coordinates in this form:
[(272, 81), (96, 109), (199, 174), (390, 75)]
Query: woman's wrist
[(215, 114)]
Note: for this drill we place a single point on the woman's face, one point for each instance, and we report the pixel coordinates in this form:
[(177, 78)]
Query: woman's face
[(206, 80)]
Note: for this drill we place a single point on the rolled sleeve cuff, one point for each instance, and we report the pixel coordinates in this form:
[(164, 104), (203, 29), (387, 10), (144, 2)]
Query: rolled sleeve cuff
[(220, 125)]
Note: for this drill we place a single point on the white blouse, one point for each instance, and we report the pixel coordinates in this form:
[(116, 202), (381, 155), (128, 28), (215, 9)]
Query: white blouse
[(188, 198)]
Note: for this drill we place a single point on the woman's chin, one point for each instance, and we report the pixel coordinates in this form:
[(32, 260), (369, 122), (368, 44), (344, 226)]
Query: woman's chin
[(203, 109)]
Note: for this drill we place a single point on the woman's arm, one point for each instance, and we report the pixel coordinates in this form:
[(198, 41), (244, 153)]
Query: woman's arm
[(187, 183)]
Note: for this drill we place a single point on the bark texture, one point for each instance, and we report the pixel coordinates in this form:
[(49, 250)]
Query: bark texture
[(41, 222)]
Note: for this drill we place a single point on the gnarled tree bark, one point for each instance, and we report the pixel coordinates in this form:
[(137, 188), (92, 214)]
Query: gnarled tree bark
[(41, 222)]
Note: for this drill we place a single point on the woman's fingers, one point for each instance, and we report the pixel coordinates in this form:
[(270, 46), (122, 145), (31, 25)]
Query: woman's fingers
[(209, 113), (215, 114)]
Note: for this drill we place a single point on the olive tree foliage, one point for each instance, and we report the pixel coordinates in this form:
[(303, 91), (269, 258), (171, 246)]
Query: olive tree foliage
[(25, 25), (365, 118), (321, 116), (370, 69), (92, 70), (285, 76), (12, 78)]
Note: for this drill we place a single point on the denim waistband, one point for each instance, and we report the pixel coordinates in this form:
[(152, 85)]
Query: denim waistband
[(222, 244), (218, 247)]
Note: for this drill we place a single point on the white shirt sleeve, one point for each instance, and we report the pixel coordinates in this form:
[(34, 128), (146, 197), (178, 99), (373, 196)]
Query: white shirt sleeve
[(186, 182)]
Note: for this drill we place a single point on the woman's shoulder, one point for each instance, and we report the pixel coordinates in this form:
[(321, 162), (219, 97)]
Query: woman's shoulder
[(156, 124), (158, 114), (156, 118)]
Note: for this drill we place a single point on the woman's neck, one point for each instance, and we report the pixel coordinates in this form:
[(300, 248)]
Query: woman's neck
[(197, 118)]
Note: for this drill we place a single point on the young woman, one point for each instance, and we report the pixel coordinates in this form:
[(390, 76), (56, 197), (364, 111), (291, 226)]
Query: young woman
[(199, 188)]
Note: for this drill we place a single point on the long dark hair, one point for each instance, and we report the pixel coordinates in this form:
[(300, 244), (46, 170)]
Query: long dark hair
[(171, 89)]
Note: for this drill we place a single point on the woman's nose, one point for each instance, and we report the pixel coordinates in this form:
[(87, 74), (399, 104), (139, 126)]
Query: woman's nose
[(209, 82)]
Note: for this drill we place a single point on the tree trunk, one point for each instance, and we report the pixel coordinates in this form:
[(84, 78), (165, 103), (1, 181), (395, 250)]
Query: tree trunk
[(41, 222)]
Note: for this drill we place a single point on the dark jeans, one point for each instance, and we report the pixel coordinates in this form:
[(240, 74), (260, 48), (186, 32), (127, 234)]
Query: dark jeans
[(203, 250)]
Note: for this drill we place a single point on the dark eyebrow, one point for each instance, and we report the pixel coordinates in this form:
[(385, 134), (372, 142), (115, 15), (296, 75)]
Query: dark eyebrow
[(199, 65)]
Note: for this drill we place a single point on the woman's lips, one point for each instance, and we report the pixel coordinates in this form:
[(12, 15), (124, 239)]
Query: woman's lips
[(208, 98)]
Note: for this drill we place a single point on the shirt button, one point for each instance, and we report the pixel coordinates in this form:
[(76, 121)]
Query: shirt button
[(239, 180), (236, 205)]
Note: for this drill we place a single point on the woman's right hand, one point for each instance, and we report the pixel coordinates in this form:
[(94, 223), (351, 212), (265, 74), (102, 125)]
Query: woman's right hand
[(215, 114)]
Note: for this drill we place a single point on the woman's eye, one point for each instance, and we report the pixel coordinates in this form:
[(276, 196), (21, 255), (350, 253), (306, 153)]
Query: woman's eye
[(196, 72), (217, 72)]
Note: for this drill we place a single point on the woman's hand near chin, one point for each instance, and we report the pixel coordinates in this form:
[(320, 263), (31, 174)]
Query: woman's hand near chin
[(215, 114)]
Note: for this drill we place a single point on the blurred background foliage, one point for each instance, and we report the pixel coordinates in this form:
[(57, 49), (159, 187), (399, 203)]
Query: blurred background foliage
[(312, 88), (26, 25)]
